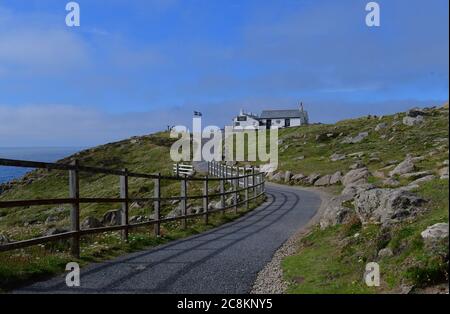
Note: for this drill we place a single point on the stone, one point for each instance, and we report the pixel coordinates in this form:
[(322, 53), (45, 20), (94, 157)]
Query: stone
[(277, 177), (357, 139), (353, 190), (287, 176), (383, 205), (356, 176), (435, 232), (391, 182), (90, 223), (312, 178), (379, 174), (380, 126), (3, 239), (415, 112), (335, 213), (112, 218), (336, 178), (51, 219), (357, 155), (137, 219), (386, 252), (415, 175), (337, 157), (406, 166), (356, 165), (443, 173), (410, 121), (422, 180), (323, 181), (298, 177)]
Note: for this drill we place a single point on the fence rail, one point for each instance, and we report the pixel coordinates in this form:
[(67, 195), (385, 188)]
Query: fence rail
[(183, 169), (250, 179)]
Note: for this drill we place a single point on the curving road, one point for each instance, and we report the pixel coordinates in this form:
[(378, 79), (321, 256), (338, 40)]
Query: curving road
[(223, 260)]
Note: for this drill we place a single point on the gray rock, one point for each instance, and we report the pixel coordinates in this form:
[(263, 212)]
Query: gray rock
[(356, 177), (51, 219), (337, 157), (356, 165), (323, 181), (435, 232), (312, 178), (380, 126), (391, 182), (3, 239), (405, 166), (383, 205), (54, 231), (277, 177), (90, 223), (357, 139), (353, 190), (137, 219), (410, 121), (423, 180), (287, 176), (335, 213), (443, 173), (386, 252), (112, 218), (336, 178), (415, 175), (415, 112), (298, 177)]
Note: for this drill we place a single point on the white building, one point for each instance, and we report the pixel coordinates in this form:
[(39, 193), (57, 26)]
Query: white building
[(272, 118)]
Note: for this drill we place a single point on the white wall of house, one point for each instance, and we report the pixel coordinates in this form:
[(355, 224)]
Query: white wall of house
[(281, 123), (242, 121)]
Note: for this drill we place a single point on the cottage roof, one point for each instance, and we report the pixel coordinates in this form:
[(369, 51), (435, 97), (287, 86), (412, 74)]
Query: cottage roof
[(280, 114)]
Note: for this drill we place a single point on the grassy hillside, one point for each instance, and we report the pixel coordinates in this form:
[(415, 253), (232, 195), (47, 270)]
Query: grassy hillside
[(332, 260), (147, 154)]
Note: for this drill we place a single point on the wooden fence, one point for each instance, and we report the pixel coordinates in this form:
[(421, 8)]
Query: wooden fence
[(183, 169), (242, 179)]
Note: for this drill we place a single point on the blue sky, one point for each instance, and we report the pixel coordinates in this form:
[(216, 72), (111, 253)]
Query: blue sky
[(133, 67)]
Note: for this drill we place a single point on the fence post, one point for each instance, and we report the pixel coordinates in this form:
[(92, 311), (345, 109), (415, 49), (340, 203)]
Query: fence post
[(74, 193), (209, 167), (246, 189), (236, 187), (184, 200), (178, 169), (205, 199), (124, 209), (253, 183), (157, 204)]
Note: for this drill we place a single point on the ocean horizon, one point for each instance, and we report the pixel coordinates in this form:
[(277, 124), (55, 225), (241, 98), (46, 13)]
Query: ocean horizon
[(43, 154)]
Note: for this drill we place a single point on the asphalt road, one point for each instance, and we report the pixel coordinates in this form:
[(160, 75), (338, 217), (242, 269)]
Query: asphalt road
[(223, 260)]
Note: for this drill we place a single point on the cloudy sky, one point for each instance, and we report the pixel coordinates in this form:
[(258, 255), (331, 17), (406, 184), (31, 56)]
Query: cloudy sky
[(134, 67)]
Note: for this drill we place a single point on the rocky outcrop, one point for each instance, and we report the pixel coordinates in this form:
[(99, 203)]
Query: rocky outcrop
[(323, 181), (413, 121), (90, 223), (335, 212), (356, 177), (353, 190), (385, 205), (435, 232), (357, 139), (112, 218), (312, 178), (406, 166), (336, 178)]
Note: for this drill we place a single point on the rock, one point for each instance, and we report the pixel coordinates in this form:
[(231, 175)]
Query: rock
[(287, 176), (323, 181), (335, 213), (380, 126), (337, 157), (443, 173), (357, 139), (353, 190), (298, 177), (379, 174), (422, 180), (336, 178), (90, 223), (277, 177), (410, 121), (386, 252), (391, 182), (54, 231), (137, 219), (112, 218), (3, 239), (405, 166), (299, 158), (415, 175), (435, 232), (268, 168), (356, 177), (51, 219), (415, 112), (357, 155), (383, 205), (312, 178), (356, 165)]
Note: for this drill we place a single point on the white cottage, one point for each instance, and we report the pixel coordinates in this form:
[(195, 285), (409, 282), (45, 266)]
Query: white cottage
[(244, 120)]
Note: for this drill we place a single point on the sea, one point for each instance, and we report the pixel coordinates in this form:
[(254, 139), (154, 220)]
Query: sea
[(43, 154)]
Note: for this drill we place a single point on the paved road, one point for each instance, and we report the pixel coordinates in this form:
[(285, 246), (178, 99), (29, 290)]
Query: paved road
[(223, 260)]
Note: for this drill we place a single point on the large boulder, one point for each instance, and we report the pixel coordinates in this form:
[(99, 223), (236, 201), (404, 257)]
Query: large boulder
[(385, 205), (406, 166), (435, 232), (312, 178), (298, 177), (90, 223), (353, 190), (335, 212), (356, 177), (336, 178), (323, 181), (410, 121), (423, 180), (112, 218)]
